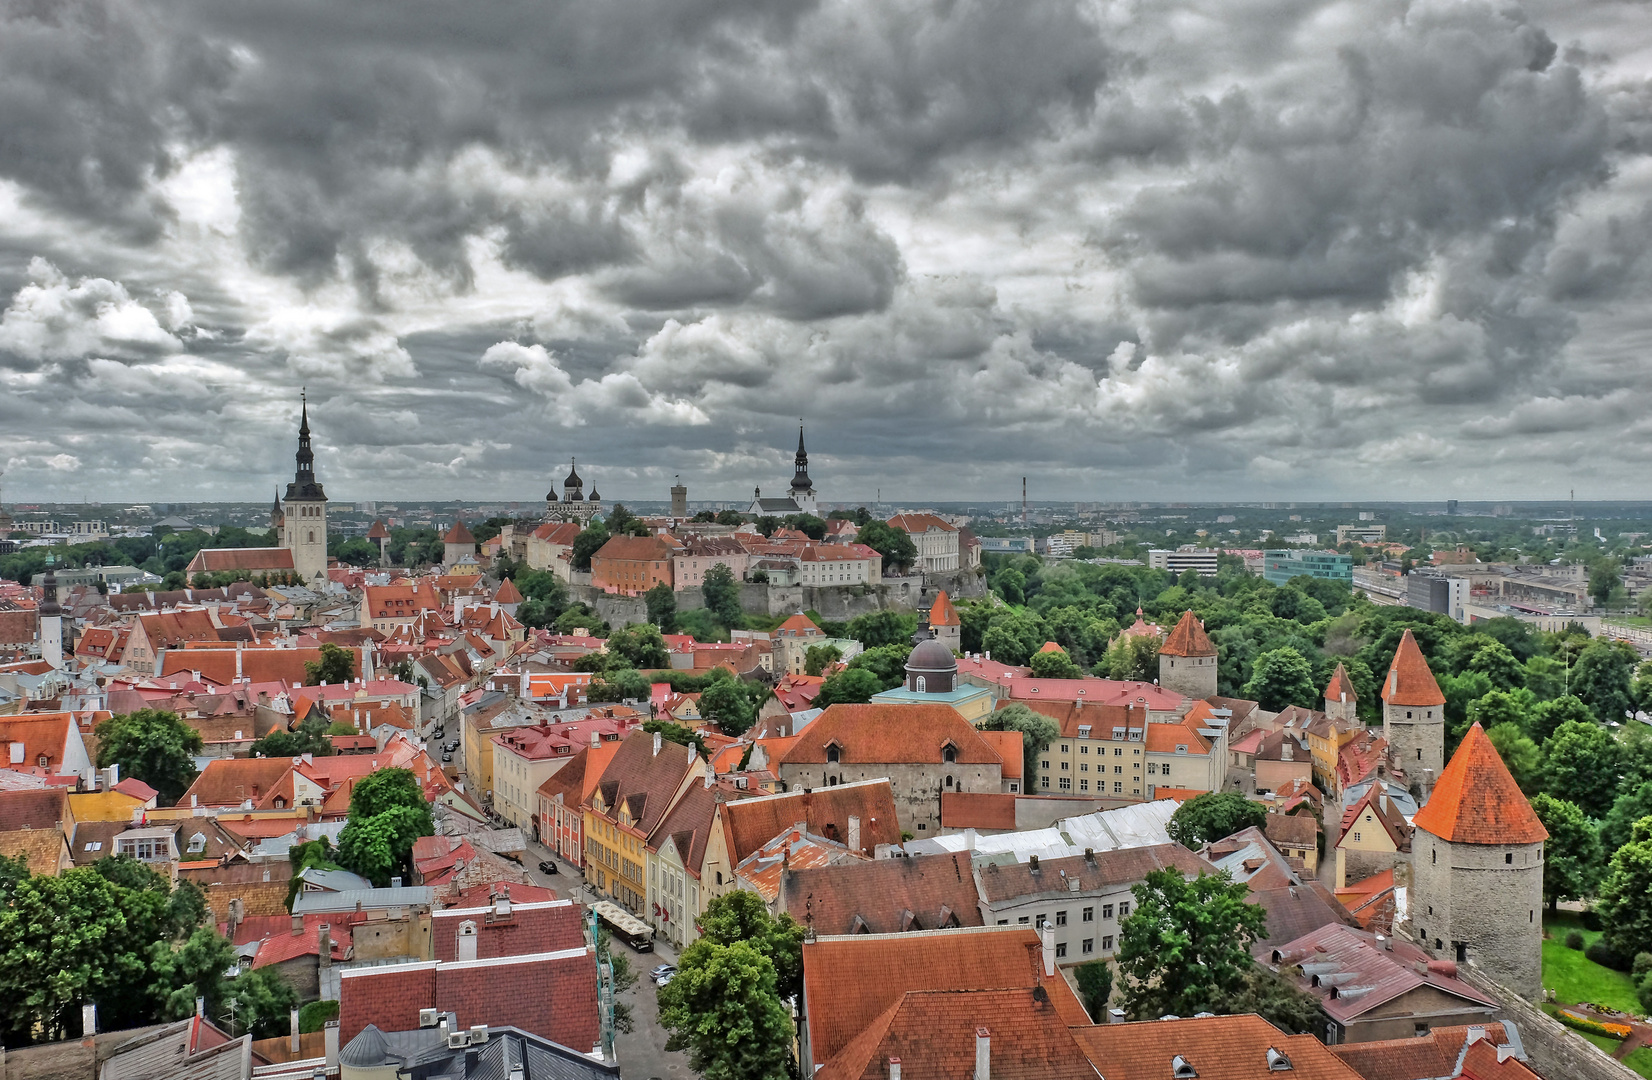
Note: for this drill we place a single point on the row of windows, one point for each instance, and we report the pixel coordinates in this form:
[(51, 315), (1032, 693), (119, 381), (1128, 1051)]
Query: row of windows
[(1084, 785)]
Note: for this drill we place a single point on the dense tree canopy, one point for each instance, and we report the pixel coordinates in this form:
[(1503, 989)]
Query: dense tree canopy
[(154, 746), (1213, 815), (387, 813), (1185, 948)]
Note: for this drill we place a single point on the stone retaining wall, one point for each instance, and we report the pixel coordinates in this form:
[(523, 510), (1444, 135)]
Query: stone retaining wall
[(1555, 1050)]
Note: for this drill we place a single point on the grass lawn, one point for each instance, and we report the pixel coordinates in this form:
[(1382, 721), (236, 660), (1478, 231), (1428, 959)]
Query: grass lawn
[(1575, 978), (1641, 1061)]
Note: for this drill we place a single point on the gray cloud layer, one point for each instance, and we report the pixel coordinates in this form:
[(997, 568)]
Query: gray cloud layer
[(1185, 249)]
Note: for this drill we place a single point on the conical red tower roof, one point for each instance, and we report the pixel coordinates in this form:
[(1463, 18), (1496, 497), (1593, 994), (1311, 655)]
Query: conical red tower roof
[(1340, 684), (1188, 639), (378, 531), (458, 535), (508, 593), (1409, 681), (943, 613), (1477, 801)]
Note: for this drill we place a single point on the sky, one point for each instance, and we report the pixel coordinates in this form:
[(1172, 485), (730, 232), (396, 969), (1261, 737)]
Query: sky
[(1178, 249)]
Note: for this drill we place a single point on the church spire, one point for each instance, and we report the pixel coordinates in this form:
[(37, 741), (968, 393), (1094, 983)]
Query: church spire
[(800, 465), (304, 485)]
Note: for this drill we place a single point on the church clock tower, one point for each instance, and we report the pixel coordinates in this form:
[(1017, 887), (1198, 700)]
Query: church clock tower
[(304, 511)]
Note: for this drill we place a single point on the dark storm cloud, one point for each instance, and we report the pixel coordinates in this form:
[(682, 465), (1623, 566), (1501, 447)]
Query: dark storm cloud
[(1194, 247)]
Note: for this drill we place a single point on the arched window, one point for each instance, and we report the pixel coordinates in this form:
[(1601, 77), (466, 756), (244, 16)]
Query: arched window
[(831, 781), (920, 685), (949, 755), (949, 781)]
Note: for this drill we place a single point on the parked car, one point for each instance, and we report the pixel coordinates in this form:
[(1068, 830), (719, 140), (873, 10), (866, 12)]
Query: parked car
[(548, 867), (662, 970), (663, 979), (439, 733), (447, 758)]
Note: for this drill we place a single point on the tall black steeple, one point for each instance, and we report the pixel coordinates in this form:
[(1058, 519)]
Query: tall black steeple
[(48, 601), (800, 465), (304, 486)]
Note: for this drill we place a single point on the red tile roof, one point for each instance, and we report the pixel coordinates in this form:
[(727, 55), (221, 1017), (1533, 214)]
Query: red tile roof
[(46, 808), (1381, 972), (639, 548), (508, 593), (1387, 815), (942, 613), (920, 523), (1409, 681), (528, 929), (1476, 800), (1188, 639), (797, 625), (259, 665), (378, 531), (43, 735), (220, 560), (750, 823), (891, 733), (934, 1033), (978, 810), (1429, 1055), (1216, 1047), (644, 780), (886, 896), (232, 781), (459, 534), (850, 981), (1102, 869), (1340, 685)]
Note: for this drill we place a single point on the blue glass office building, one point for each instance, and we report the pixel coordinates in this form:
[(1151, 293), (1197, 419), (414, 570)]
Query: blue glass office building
[(1278, 567)]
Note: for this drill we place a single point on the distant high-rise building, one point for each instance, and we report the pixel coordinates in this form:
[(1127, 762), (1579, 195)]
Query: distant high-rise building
[(1451, 507)]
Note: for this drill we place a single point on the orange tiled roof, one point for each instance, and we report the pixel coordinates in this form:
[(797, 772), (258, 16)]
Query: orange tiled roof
[(748, 824), (1050, 646), (942, 613), (920, 523), (797, 624), (1476, 800), (508, 593), (1409, 681), (378, 531), (1216, 1047), (232, 781), (850, 981), (1340, 685), (1188, 639), (1433, 1054), (459, 534), (889, 733)]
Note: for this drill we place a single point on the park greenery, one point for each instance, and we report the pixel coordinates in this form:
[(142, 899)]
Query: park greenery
[(121, 936)]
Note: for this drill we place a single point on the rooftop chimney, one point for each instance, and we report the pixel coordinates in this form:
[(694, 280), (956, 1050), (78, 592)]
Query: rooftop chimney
[(330, 1038), (1046, 938), (88, 1020), (292, 1023), (467, 940), (657, 741), (983, 1054), (894, 1068), (324, 943), (854, 832)]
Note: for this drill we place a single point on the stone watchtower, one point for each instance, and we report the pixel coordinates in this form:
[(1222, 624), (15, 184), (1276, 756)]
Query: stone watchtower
[(945, 624), (1341, 702), (1187, 659), (1413, 716), (457, 543), (304, 511), (1477, 870)]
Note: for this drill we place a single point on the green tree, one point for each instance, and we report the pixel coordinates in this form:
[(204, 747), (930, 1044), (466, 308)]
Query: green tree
[(878, 628), (1503, 707), (1037, 732), (1498, 664), (387, 814), (897, 548), (1095, 986), (1186, 946), (1625, 901), (310, 738), (1010, 584), (358, 552), (193, 967), (1282, 677), (1548, 716), (723, 1007), (662, 607), (262, 1002), (640, 647), (1580, 765), (335, 666), (1054, 665), (588, 543), (154, 746), (742, 916), (727, 705), (1134, 657), (1629, 807), (1604, 577), (624, 684), (722, 594), (1519, 753), (1572, 858), (854, 686), (317, 853), (1213, 815), (817, 658), (886, 662), (807, 524), (1277, 1001), (1600, 678)]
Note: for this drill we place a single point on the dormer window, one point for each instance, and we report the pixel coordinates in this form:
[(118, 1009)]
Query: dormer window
[(834, 754), (197, 843), (1181, 1068), (949, 754)]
